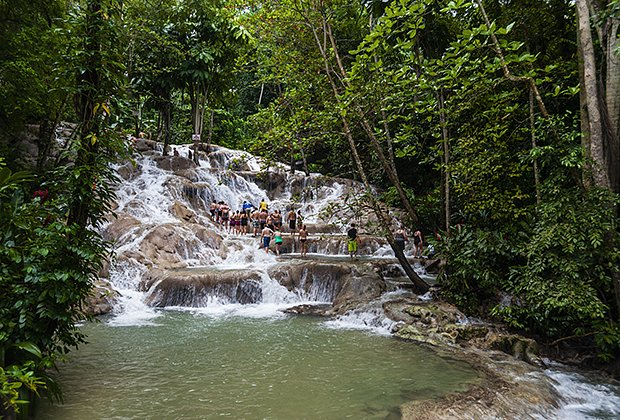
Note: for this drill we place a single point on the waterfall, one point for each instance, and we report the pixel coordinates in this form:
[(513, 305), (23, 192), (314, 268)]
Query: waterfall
[(169, 253)]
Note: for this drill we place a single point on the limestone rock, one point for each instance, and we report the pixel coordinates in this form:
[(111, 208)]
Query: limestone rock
[(144, 145), (182, 212), (195, 287), (129, 171), (102, 299), (120, 226), (342, 283), (520, 347), (174, 163), (316, 310)]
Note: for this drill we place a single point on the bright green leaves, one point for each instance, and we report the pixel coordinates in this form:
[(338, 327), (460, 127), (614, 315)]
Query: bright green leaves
[(8, 179)]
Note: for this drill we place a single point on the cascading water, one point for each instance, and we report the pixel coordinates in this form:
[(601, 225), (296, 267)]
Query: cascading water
[(208, 303), (149, 195)]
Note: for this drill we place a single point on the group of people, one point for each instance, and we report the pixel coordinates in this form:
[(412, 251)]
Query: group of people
[(400, 237), (268, 225)]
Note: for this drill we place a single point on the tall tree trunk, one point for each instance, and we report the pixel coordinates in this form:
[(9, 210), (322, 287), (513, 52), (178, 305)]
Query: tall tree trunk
[(210, 135), (260, 97), (446, 160), (420, 286), (612, 100), (388, 166), (600, 101), (167, 118), (595, 147), (533, 136), (198, 98), (89, 82)]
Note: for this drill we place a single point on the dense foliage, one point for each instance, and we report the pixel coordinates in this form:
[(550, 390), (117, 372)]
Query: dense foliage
[(489, 122)]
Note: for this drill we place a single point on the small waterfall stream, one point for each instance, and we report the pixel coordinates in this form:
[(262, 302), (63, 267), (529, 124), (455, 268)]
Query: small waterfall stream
[(199, 330)]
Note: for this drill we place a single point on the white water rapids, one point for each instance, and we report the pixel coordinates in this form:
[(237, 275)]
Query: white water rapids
[(152, 192)]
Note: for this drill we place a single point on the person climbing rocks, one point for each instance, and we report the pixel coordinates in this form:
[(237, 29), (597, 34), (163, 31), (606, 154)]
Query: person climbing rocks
[(247, 207), (277, 219), (300, 218), (244, 223), (277, 237), (255, 217), (262, 218), (263, 206), (400, 237), (224, 215), (352, 241), (213, 209), (265, 238), (303, 240)]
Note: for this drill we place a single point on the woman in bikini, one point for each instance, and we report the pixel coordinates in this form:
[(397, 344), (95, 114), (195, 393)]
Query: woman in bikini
[(303, 240)]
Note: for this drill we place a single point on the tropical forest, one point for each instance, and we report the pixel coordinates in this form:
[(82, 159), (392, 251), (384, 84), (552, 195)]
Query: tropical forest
[(439, 199)]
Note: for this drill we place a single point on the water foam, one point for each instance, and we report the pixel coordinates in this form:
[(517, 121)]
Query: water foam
[(585, 397)]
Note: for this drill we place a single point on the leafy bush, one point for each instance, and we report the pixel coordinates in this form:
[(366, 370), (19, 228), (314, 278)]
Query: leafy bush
[(553, 276), (475, 267), (564, 284), (46, 270)]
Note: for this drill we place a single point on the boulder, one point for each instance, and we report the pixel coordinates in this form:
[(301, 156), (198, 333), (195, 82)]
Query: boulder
[(180, 211), (129, 170), (198, 286), (174, 163), (521, 348), (120, 226), (144, 145), (102, 299), (167, 245)]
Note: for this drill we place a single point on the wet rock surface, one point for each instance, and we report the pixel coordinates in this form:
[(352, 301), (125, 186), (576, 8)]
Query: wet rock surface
[(512, 385), (102, 299), (197, 287)]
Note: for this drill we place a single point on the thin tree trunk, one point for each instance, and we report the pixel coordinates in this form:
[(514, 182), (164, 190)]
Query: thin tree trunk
[(388, 166), (210, 136), (446, 160), (533, 135), (419, 284), (260, 97), (167, 117), (507, 74), (304, 161)]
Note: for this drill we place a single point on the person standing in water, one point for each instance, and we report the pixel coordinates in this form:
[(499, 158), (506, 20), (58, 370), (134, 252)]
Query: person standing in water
[(352, 240), (292, 220), (254, 217), (265, 238), (418, 241), (303, 240), (400, 237), (277, 236)]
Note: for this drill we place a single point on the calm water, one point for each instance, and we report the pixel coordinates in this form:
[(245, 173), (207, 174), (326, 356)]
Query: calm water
[(193, 366)]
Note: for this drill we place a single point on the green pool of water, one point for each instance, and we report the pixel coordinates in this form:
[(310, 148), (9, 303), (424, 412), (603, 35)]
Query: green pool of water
[(194, 366)]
